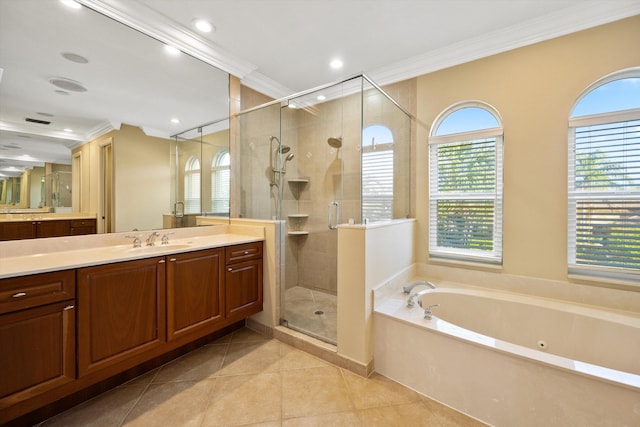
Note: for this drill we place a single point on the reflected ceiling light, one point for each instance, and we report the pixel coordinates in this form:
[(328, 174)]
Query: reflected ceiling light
[(171, 50), (321, 97), (336, 64), (74, 57), (203, 26), (71, 3)]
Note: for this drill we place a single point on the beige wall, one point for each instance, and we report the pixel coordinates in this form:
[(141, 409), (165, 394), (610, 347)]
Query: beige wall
[(534, 89), (141, 173)]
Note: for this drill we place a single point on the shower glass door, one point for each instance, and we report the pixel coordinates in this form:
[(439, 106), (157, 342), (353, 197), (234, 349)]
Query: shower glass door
[(321, 190)]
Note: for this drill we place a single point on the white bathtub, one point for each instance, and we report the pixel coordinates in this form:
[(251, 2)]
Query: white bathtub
[(509, 359)]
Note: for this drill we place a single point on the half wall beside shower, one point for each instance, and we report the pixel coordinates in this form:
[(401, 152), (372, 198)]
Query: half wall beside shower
[(332, 156)]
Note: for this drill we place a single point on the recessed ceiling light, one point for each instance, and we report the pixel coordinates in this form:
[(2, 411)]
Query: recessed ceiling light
[(71, 3), (336, 64), (68, 130), (291, 105), (175, 121), (45, 114), (203, 26), (321, 97), (171, 50), (74, 57), (67, 84)]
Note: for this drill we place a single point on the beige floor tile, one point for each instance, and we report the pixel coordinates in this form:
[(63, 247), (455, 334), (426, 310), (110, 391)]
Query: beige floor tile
[(292, 358), (251, 358), (247, 335), (449, 417), (244, 399), (105, 410), (377, 391), (202, 363), (408, 415), (314, 391), (340, 419), (142, 380), (171, 404)]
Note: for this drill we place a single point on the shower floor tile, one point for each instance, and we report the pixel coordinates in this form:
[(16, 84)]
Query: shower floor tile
[(311, 311)]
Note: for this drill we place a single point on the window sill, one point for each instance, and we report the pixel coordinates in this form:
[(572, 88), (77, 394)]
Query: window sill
[(465, 264)]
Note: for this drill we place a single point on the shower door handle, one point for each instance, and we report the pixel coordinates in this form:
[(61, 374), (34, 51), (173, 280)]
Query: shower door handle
[(333, 207)]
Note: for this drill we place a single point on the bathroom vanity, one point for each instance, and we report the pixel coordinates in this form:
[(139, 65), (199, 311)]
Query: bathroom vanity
[(16, 226), (100, 320)]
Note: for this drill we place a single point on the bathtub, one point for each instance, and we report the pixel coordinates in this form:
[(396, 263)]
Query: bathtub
[(509, 359)]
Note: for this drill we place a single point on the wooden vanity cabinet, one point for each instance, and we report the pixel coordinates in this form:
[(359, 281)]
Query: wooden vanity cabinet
[(121, 314), (243, 280), (33, 229), (37, 335), (194, 293)]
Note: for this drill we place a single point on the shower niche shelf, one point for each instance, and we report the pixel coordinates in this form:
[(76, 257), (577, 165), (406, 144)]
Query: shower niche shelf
[(298, 215), (298, 180), (298, 233)]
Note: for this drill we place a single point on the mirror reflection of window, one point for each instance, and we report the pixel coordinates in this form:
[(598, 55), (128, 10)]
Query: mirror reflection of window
[(192, 186), (377, 173), (220, 179)]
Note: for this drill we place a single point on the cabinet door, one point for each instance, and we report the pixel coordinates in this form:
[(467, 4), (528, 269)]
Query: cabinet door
[(53, 228), (120, 314), (17, 230), (194, 292), (243, 289), (83, 226), (38, 350)]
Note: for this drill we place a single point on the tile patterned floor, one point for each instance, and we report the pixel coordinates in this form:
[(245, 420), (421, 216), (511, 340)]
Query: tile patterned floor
[(246, 379), (312, 311)]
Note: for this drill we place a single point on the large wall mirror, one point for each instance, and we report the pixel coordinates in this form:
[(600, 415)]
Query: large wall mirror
[(93, 116)]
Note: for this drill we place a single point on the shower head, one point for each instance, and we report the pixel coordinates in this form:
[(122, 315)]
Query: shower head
[(285, 149), (289, 157), (335, 142)]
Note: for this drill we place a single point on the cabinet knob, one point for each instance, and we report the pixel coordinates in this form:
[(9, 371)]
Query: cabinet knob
[(172, 260), (246, 252), (69, 307), (230, 269), (19, 295), (161, 261)]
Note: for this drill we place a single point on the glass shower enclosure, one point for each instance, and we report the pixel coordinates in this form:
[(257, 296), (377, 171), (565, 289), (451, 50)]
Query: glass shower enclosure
[(333, 156), (200, 168)]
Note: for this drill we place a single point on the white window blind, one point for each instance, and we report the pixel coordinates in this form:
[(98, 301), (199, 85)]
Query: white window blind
[(604, 194), (377, 183), (221, 183), (465, 197), (192, 186)]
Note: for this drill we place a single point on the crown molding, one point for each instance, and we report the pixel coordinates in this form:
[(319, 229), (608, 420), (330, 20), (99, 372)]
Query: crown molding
[(263, 84), (99, 130), (141, 18), (560, 23)]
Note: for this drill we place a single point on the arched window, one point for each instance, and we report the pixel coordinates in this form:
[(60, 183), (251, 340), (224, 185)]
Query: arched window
[(377, 173), (220, 179), (604, 178), (192, 186), (465, 184)]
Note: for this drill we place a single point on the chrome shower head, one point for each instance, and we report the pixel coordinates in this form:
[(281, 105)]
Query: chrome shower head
[(335, 142), (285, 149), (289, 157)]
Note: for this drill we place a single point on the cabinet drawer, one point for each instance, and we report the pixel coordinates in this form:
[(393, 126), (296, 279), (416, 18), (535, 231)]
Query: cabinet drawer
[(244, 252), (83, 223), (30, 291)]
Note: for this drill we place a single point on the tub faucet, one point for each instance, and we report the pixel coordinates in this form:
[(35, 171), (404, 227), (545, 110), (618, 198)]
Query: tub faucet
[(427, 311), (151, 240), (416, 295), (408, 288)]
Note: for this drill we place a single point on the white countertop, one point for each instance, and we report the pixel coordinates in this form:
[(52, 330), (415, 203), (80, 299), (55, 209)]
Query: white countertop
[(44, 216), (23, 257)]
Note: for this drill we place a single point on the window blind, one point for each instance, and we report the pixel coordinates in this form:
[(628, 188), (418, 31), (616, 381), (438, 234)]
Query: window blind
[(377, 184), (604, 196), (466, 199)]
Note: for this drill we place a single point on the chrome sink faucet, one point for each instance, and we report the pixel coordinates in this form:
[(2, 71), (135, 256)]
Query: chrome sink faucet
[(136, 240), (151, 240)]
